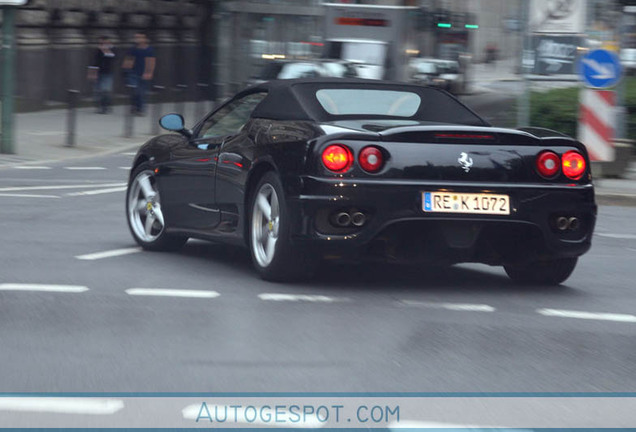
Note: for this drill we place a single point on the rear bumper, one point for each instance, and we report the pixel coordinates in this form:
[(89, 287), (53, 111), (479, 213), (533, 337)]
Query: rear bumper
[(397, 227)]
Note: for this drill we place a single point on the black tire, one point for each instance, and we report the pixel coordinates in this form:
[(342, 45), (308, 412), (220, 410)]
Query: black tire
[(550, 272), (155, 239), (288, 262)]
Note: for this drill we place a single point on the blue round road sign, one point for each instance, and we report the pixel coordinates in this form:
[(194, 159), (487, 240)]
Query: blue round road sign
[(600, 69)]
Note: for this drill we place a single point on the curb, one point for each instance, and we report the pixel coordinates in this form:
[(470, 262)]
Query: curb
[(615, 199)]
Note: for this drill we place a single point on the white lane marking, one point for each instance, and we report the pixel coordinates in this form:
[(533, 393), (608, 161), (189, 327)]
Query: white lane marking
[(32, 167), (98, 191), (42, 288), (412, 424), (461, 307), (588, 315), (124, 168), (62, 405), (161, 292), (60, 187), (129, 153), (46, 133), (86, 168), (109, 254), (300, 297), (192, 412), (617, 236), (27, 195)]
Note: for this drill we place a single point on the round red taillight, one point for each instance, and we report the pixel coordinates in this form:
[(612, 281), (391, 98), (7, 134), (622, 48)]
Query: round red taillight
[(371, 159), (337, 158), (573, 164), (548, 164)]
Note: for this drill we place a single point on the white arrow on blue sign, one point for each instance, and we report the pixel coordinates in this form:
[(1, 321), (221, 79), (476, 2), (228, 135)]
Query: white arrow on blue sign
[(600, 69)]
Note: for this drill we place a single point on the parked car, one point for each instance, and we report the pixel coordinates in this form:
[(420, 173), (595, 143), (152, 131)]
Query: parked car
[(298, 170), (628, 60), (444, 74), (314, 68)]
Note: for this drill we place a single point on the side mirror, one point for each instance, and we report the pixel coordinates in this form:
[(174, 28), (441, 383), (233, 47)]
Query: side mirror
[(174, 123)]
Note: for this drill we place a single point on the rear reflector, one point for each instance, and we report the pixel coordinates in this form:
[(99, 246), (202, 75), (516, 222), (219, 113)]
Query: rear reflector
[(337, 158), (371, 159), (548, 164), (573, 164)]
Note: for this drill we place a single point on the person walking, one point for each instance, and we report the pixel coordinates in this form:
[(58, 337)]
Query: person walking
[(101, 74), (140, 63)]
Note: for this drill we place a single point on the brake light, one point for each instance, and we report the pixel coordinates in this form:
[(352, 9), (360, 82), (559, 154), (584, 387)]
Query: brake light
[(337, 158), (464, 136), (548, 164), (371, 159), (573, 164)]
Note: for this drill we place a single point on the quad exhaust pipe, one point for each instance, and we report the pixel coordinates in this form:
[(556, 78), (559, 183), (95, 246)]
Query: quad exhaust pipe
[(344, 219), (564, 223), (574, 223), (358, 219)]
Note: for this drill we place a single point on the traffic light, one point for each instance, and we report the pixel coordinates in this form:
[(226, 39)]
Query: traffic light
[(442, 20), (470, 21)]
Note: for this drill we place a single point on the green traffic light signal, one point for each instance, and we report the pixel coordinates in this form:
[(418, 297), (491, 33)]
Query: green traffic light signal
[(444, 25), (471, 26)]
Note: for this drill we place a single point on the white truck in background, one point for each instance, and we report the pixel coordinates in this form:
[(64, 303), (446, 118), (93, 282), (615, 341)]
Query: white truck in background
[(378, 39)]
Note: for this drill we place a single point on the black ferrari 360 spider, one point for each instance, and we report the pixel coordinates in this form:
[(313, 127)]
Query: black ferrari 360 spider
[(299, 170)]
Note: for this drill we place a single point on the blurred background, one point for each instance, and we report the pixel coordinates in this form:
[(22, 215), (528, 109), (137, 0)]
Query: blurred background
[(513, 61), (227, 43)]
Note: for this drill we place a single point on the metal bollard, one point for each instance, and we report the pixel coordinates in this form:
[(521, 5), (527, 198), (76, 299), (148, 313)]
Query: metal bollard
[(129, 117), (203, 95), (71, 120), (179, 105), (157, 109)]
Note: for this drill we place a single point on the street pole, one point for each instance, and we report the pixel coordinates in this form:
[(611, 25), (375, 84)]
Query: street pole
[(8, 79), (523, 102)]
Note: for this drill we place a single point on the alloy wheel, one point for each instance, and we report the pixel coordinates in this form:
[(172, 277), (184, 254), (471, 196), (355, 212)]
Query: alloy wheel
[(144, 207), (265, 224)]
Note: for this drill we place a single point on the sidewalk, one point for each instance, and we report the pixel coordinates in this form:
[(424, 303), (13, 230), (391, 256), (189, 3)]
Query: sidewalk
[(500, 70), (41, 136), (482, 76), (617, 191)]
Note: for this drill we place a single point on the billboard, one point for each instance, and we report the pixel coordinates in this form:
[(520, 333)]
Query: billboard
[(555, 54), (557, 16)]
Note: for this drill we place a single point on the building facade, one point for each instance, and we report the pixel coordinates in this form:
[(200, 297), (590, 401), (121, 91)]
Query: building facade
[(56, 41), (221, 43)]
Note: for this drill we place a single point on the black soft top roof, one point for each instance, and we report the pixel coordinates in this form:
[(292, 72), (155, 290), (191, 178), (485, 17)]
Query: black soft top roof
[(296, 100)]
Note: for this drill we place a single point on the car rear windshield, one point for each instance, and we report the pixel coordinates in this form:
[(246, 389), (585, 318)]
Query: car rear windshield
[(338, 101)]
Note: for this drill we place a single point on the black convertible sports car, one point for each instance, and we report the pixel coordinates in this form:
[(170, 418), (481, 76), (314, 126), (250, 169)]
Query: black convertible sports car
[(300, 170)]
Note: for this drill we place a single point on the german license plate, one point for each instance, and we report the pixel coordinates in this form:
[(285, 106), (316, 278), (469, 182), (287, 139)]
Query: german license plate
[(473, 203)]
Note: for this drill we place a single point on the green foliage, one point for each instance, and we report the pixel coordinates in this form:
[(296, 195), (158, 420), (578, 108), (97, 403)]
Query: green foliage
[(558, 109), (555, 109), (630, 105)]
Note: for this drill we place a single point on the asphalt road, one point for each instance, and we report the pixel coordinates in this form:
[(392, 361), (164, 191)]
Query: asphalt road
[(352, 328)]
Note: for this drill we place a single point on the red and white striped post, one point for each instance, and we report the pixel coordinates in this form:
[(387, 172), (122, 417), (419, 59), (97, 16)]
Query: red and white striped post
[(597, 123)]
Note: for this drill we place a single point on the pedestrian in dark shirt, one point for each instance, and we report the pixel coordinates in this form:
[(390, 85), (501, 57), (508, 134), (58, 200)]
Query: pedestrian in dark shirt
[(101, 73), (140, 63)]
